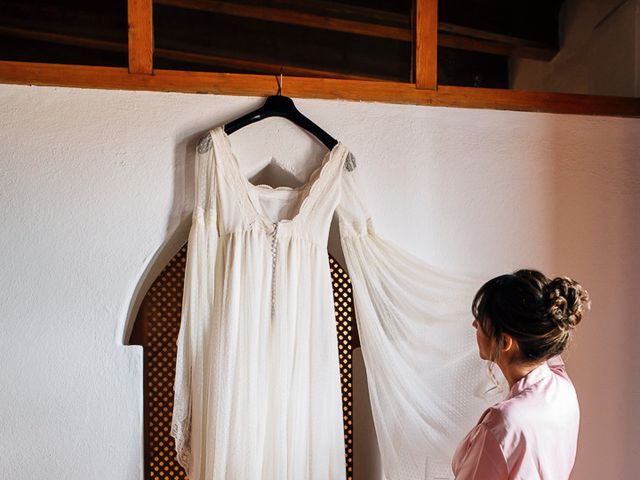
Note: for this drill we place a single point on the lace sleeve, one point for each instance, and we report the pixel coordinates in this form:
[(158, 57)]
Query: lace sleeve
[(196, 302), (426, 381)]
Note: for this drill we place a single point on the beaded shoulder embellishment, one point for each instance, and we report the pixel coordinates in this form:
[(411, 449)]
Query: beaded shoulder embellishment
[(350, 162), (204, 144)]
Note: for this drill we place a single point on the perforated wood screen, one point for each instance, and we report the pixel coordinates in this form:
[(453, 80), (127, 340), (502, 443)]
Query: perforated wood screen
[(157, 329)]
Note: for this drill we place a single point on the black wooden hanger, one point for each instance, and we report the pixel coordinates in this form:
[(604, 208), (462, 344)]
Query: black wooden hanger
[(280, 106)]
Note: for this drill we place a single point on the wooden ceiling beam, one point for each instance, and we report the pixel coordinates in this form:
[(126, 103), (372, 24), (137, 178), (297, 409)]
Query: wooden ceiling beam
[(426, 44), (140, 18), (300, 87), (346, 10), (291, 17)]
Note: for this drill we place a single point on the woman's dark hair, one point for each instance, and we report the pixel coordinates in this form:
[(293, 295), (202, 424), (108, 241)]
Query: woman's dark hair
[(538, 312)]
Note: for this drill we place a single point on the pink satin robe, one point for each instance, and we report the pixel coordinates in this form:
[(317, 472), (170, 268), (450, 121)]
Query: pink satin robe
[(531, 435)]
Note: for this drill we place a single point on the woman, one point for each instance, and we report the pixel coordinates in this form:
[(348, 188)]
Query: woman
[(523, 322)]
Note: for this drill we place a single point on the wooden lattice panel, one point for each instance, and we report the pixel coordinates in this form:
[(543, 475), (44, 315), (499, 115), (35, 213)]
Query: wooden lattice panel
[(343, 305), (160, 317), (163, 305)]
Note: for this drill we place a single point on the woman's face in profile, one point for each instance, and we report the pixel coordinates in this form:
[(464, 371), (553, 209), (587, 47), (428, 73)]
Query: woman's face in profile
[(484, 342)]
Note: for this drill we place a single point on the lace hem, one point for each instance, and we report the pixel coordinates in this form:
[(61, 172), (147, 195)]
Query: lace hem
[(181, 432)]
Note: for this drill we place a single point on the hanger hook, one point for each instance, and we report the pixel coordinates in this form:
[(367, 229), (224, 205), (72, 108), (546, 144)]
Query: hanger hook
[(279, 80)]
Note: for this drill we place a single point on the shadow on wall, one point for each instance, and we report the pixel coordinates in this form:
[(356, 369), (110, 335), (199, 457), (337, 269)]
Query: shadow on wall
[(596, 232), (178, 226), (366, 454)]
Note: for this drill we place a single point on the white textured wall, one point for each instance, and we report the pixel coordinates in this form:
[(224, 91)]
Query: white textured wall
[(95, 192)]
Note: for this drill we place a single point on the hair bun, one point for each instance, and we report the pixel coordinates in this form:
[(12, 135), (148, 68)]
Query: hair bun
[(566, 301)]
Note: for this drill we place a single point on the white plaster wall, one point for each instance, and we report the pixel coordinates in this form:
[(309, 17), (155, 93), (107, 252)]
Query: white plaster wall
[(599, 52), (95, 197)]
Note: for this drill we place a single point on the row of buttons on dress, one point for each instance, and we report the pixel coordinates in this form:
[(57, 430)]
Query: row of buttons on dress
[(274, 256)]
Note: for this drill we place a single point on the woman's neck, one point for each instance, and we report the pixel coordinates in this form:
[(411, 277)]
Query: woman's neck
[(515, 371)]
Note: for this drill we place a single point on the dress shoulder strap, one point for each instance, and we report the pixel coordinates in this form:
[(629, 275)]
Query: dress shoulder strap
[(205, 175)]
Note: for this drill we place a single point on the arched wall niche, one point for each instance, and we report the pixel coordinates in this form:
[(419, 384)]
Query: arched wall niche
[(157, 306)]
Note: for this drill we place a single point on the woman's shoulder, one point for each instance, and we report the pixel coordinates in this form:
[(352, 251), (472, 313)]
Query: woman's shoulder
[(496, 417), (507, 423), (534, 402)]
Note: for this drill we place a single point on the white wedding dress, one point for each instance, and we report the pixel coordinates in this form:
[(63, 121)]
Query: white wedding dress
[(257, 385)]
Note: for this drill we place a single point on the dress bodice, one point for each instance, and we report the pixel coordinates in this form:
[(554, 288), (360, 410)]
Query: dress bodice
[(304, 211)]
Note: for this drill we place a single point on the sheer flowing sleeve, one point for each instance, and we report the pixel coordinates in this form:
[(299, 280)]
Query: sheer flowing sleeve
[(426, 382), (196, 306)]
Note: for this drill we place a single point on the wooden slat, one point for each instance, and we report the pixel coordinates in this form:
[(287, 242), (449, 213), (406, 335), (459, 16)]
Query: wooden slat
[(464, 38), (427, 44), (63, 39), (253, 65), (302, 87), (292, 18), (346, 10), (140, 36)]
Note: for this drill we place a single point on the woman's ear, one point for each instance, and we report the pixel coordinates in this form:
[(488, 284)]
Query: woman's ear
[(508, 344)]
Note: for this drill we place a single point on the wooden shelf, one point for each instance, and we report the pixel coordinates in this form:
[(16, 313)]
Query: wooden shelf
[(305, 87)]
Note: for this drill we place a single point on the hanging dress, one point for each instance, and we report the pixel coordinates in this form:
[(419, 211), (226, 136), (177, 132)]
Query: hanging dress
[(257, 392)]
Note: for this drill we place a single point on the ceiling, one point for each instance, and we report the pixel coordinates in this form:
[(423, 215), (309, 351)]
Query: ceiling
[(370, 39)]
